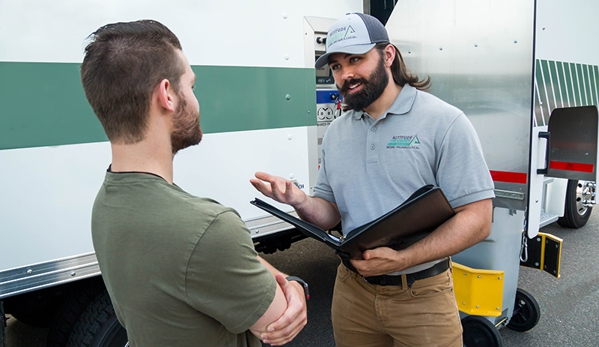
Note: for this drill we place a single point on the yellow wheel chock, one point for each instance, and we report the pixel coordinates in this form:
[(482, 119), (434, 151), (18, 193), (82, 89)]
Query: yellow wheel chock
[(478, 292)]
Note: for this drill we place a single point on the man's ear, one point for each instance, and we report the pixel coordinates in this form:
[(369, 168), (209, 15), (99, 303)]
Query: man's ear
[(389, 53), (166, 95)]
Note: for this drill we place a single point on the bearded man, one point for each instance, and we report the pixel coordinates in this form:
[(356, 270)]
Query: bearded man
[(180, 270), (393, 139)]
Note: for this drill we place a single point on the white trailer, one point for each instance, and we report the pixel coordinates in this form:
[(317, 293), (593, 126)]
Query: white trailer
[(507, 64), (256, 88)]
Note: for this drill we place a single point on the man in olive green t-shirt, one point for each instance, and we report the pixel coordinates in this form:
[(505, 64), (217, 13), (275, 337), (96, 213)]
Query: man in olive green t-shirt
[(180, 270)]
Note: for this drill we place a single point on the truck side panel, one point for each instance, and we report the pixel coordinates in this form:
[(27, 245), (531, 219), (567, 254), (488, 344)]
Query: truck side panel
[(255, 84)]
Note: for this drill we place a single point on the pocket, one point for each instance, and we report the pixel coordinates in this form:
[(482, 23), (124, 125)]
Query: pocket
[(343, 273), (433, 286)]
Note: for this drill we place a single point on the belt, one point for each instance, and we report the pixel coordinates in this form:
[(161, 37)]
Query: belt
[(389, 280)]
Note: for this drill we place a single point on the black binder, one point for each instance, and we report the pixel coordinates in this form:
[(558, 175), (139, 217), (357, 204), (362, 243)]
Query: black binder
[(399, 228)]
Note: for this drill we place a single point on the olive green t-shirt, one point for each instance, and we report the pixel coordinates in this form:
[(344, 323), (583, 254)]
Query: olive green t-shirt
[(180, 270)]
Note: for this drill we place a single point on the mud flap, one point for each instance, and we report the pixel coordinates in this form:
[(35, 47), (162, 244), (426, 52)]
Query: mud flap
[(572, 145), (478, 292), (543, 252)]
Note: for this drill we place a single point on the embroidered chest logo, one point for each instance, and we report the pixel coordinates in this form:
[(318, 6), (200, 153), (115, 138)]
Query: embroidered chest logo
[(403, 141)]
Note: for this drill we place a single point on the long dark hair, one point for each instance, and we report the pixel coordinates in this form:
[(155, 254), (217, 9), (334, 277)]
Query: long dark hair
[(400, 72)]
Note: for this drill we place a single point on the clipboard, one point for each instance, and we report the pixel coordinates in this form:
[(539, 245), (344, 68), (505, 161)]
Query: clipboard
[(399, 228)]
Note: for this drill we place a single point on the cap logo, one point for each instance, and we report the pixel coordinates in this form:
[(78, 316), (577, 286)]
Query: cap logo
[(341, 34)]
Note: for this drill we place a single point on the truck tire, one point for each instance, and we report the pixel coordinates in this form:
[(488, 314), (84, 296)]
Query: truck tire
[(70, 310), (576, 214), (98, 326)]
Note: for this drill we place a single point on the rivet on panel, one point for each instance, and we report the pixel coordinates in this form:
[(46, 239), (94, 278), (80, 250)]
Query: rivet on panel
[(289, 137)]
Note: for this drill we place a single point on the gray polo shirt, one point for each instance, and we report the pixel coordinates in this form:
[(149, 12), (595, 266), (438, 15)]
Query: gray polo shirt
[(369, 167)]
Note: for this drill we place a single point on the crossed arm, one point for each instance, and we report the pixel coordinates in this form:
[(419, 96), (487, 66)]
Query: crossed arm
[(286, 316)]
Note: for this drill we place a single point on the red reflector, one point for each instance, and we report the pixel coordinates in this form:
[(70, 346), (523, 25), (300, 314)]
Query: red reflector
[(509, 177), (562, 165)]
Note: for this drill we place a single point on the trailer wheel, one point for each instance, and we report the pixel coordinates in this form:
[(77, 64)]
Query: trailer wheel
[(576, 214), (526, 312), (69, 311), (98, 326), (479, 332)]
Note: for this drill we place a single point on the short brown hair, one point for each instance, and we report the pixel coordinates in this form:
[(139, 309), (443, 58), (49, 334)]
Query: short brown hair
[(401, 74), (122, 65)]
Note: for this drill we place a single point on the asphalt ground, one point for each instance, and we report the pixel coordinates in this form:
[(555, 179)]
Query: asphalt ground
[(568, 304)]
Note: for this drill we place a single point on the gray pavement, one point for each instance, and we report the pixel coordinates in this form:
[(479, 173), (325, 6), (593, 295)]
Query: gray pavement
[(569, 305)]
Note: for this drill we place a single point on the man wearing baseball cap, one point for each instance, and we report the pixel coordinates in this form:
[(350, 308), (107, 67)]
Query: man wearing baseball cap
[(393, 139)]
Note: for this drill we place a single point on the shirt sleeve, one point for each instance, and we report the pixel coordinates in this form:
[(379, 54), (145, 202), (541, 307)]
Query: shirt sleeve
[(225, 279), (462, 172), (322, 188)]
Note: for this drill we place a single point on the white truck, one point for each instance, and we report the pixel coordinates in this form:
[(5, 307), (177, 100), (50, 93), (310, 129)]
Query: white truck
[(507, 64)]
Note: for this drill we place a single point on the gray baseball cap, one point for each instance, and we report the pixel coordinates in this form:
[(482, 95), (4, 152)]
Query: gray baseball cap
[(354, 33)]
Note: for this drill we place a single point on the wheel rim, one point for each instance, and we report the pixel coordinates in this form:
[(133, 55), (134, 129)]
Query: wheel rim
[(583, 193), (521, 313), (478, 337), (479, 332), (526, 312)]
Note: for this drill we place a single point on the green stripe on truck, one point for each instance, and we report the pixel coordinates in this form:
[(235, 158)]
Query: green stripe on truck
[(563, 84), (43, 104)]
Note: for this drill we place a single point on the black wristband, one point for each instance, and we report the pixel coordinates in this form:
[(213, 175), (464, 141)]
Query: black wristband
[(303, 283)]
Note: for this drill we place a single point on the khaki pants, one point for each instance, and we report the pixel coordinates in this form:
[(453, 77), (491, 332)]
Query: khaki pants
[(366, 315)]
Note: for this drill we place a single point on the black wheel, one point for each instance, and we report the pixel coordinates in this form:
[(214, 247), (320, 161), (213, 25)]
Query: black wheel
[(70, 309), (98, 326), (479, 332), (576, 214), (526, 312)]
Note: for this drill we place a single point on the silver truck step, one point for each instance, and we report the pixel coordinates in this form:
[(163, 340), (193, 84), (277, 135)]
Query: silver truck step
[(547, 218)]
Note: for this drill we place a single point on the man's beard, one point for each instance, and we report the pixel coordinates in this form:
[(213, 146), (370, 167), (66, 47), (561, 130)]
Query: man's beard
[(187, 130), (372, 88)]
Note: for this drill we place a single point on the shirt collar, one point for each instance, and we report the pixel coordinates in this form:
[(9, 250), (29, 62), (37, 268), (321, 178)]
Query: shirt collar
[(402, 104)]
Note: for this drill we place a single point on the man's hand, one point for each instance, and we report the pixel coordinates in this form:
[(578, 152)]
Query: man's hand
[(293, 319), (380, 261), (278, 188)]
